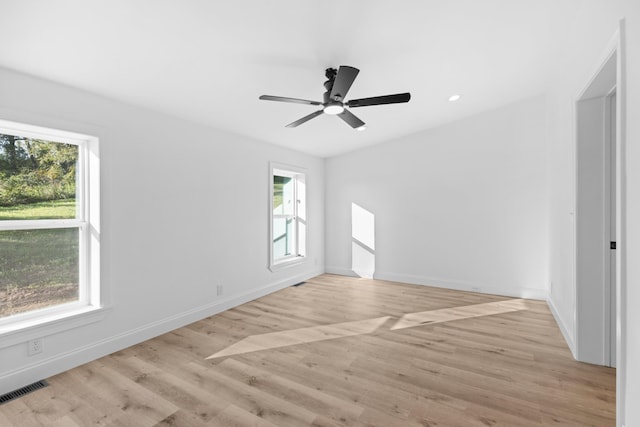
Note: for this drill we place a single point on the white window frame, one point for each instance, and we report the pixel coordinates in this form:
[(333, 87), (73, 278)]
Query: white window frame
[(55, 318), (299, 215)]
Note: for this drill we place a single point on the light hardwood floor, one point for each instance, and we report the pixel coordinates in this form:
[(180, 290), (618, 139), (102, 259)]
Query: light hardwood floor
[(340, 351)]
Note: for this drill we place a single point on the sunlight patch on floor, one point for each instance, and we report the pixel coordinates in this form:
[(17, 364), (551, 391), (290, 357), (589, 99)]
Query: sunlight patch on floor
[(360, 327), (301, 336), (457, 313)]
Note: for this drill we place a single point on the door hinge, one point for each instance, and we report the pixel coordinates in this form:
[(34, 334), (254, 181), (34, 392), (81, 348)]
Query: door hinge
[(613, 245)]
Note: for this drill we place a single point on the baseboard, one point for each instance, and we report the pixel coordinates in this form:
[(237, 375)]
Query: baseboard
[(529, 293), (61, 362), (340, 271), (568, 337)]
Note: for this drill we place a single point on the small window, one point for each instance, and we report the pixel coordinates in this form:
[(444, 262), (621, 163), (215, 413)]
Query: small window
[(288, 216), (48, 233)]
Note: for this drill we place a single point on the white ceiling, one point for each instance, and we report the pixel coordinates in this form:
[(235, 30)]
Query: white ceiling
[(208, 61)]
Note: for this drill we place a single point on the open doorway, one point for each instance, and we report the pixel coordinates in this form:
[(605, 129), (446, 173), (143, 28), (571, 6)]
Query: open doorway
[(596, 246)]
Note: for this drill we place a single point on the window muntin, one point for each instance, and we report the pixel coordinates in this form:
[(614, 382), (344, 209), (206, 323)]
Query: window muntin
[(288, 216), (45, 228)]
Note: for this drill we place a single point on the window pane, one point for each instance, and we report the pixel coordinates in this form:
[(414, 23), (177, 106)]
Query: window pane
[(37, 178), (38, 268), (283, 194), (283, 237)]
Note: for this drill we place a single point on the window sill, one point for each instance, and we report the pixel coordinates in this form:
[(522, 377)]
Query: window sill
[(287, 263), (21, 332)]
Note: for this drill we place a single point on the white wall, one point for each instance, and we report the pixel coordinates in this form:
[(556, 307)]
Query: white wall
[(181, 213), (562, 292), (580, 64), (464, 205)]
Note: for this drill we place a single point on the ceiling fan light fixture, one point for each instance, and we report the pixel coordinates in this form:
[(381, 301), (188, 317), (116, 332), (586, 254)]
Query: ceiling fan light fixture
[(361, 128), (454, 98), (333, 108)]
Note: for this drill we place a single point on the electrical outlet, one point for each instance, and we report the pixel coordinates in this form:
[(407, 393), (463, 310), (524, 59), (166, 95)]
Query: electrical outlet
[(35, 346), (219, 290)]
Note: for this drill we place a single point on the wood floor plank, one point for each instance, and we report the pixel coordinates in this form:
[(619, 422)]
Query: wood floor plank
[(272, 408), (17, 413), (333, 378), (183, 419), (428, 357), (334, 408), (66, 421), (234, 416), (59, 402), (183, 394)]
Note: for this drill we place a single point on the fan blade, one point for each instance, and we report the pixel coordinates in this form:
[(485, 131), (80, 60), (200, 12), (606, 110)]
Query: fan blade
[(351, 119), (284, 99), (344, 80), (379, 100), (305, 119)]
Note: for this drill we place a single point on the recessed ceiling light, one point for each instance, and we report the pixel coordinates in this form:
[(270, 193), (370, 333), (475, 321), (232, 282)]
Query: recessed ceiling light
[(454, 98), (361, 128)]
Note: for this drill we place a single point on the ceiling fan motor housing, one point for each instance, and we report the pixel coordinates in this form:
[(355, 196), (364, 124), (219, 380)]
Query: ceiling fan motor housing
[(330, 73)]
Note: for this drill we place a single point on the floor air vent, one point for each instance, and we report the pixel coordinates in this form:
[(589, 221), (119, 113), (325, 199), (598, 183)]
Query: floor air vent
[(301, 283), (12, 395)]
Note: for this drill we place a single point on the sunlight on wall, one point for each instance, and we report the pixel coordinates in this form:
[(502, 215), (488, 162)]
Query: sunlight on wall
[(363, 241)]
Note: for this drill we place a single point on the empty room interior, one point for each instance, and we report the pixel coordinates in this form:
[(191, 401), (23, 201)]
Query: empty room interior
[(338, 213)]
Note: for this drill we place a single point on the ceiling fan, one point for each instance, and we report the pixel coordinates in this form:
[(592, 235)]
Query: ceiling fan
[(338, 84)]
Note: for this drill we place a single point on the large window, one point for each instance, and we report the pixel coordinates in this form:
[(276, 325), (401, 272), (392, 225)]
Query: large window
[(49, 229), (288, 216)]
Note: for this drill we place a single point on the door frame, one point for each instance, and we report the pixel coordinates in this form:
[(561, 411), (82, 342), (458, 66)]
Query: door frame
[(615, 47)]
